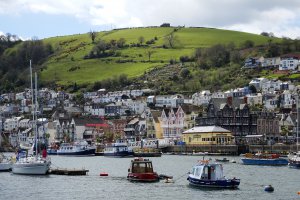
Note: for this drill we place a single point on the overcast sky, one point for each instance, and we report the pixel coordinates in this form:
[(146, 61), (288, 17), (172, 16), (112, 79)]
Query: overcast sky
[(47, 18)]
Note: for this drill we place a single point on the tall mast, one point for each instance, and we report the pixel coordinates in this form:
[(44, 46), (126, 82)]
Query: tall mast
[(297, 121), (35, 113), (33, 110)]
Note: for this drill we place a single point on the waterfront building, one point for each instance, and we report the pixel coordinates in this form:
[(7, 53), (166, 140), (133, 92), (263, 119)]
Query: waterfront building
[(207, 135), (232, 114)]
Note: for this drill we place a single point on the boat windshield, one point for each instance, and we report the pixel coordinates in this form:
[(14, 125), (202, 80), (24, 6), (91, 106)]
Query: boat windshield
[(142, 167)]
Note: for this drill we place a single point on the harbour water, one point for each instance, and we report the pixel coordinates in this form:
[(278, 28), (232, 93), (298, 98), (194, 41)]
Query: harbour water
[(285, 180)]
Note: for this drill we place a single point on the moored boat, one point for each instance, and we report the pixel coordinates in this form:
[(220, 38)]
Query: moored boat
[(118, 149), (146, 152), (222, 160), (210, 175), (5, 163), (294, 160), (141, 170), (263, 159), (79, 148), (31, 165)]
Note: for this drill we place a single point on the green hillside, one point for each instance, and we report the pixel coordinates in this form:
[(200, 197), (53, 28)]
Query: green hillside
[(68, 66)]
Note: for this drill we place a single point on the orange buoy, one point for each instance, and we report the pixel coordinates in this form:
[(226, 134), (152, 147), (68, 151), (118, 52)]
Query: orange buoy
[(299, 193), (103, 174)]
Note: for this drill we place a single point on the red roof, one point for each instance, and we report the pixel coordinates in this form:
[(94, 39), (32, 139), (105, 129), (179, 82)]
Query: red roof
[(97, 125)]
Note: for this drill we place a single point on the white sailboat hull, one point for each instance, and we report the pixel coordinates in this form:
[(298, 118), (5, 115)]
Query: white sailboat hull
[(30, 168)]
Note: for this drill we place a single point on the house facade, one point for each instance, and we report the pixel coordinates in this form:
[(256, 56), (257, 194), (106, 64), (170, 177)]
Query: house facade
[(207, 135)]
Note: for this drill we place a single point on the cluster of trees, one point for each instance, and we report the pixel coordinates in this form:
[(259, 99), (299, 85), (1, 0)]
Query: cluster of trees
[(14, 64), (116, 83), (103, 48), (216, 56)]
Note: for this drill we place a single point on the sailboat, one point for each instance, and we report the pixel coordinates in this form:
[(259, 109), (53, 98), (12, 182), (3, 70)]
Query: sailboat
[(32, 164), (294, 158)]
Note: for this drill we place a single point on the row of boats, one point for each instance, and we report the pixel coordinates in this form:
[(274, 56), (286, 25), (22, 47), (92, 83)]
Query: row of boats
[(203, 174), (118, 149), (206, 174)]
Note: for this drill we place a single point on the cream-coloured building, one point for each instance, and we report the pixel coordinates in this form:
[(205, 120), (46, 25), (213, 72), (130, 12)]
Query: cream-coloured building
[(207, 135)]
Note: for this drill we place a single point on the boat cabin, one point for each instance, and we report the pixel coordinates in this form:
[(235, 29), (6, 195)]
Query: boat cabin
[(140, 165), (208, 172)]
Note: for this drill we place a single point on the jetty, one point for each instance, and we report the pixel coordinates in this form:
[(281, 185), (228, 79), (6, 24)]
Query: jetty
[(68, 172)]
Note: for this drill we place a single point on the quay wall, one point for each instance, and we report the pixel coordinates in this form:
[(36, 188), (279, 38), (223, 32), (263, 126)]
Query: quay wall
[(230, 149)]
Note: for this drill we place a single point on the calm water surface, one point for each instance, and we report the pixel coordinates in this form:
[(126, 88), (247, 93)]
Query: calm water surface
[(286, 181)]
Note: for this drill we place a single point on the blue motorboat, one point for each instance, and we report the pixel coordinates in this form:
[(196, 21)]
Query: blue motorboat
[(118, 149), (210, 175), (263, 159)]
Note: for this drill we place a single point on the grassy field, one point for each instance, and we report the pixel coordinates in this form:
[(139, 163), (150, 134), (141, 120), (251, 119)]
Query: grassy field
[(67, 65)]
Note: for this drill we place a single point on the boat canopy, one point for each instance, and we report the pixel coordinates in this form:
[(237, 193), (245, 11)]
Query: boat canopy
[(208, 171)]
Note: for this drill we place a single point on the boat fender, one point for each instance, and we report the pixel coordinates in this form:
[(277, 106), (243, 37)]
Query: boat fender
[(269, 188)]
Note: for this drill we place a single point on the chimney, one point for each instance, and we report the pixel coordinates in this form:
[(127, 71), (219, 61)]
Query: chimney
[(229, 101), (245, 100)]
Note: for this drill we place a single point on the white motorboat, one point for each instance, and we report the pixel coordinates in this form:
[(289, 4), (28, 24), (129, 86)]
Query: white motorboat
[(5, 164)]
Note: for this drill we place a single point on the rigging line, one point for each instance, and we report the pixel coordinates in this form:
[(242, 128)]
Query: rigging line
[(180, 177)]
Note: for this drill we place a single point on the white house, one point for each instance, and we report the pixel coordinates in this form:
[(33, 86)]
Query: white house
[(289, 62), (168, 101), (218, 94), (202, 98), (20, 96), (271, 62), (24, 123), (254, 99), (94, 109), (258, 82), (11, 123), (286, 99), (136, 106), (271, 86), (271, 104)]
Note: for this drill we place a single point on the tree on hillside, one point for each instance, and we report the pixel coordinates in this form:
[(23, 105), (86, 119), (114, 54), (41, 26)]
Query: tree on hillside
[(171, 40), (93, 35), (185, 73), (248, 44), (100, 47), (121, 42), (141, 40), (149, 54)]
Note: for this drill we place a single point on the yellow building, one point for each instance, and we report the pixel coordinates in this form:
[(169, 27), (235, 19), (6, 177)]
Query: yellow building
[(207, 135)]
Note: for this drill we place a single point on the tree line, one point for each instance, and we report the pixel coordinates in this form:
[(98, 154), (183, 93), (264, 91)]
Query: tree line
[(14, 64)]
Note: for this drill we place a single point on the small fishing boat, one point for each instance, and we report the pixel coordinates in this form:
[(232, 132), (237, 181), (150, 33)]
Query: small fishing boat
[(80, 148), (222, 160), (141, 170), (263, 159), (294, 160), (210, 175)]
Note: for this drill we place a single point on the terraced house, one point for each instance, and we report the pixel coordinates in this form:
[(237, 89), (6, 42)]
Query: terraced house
[(176, 120)]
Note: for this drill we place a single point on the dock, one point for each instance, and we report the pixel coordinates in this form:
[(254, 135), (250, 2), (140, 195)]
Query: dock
[(69, 172)]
